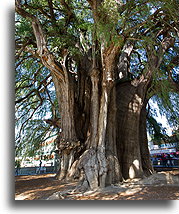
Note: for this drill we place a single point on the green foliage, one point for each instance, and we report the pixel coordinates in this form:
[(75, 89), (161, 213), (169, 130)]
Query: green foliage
[(31, 129), (156, 131), (33, 135), (168, 105), (17, 164), (170, 110), (23, 28), (106, 25)]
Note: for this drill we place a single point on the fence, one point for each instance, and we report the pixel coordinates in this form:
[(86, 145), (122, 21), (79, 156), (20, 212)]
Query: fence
[(174, 163), (35, 170)]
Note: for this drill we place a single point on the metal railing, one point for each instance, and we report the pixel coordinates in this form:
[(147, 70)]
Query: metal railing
[(35, 170)]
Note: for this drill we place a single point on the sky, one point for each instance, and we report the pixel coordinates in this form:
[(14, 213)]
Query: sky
[(161, 118)]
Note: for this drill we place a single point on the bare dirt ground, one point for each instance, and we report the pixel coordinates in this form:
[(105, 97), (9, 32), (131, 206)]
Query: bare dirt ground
[(42, 187)]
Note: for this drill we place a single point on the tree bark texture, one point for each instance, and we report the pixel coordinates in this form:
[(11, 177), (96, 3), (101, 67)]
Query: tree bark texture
[(144, 150), (99, 162), (132, 145)]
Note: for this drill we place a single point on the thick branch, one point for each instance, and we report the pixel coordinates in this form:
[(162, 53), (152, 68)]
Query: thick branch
[(174, 63), (94, 3), (34, 90), (50, 3), (53, 122), (70, 14), (174, 83), (46, 57)]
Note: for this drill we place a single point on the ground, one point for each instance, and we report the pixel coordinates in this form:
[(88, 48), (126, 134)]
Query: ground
[(41, 187)]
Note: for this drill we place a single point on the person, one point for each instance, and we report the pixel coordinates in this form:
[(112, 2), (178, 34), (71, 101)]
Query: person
[(164, 160), (40, 163), (169, 160), (44, 169), (39, 169)]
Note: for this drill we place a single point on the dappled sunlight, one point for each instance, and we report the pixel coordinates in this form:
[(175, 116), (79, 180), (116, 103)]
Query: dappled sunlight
[(134, 105), (131, 172), (136, 163), (30, 177), (177, 194), (21, 197), (45, 186), (131, 191), (150, 193), (38, 186), (35, 193), (133, 169)]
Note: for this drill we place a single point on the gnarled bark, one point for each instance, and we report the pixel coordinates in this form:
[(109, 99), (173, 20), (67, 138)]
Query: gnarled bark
[(99, 162), (67, 141), (129, 104), (132, 143)]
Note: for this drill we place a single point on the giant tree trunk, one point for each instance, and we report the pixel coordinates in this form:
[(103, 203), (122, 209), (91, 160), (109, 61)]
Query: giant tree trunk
[(99, 163), (128, 116), (67, 141), (74, 106), (114, 170), (131, 130)]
